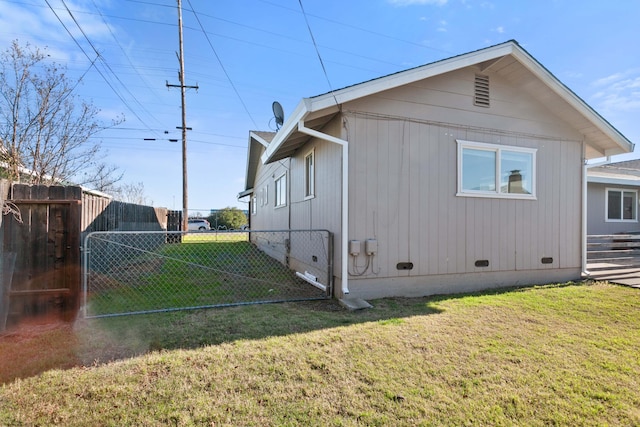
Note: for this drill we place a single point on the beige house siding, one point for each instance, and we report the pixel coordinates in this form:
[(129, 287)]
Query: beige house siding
[(404, 132), (403, 176), (323, 211), (267, 215)]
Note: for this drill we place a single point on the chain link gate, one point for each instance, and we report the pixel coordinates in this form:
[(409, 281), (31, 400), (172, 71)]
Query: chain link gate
[(145, 272)]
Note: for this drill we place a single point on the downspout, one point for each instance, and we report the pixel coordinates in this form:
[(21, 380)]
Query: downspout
[(585, 168), (344, 243)]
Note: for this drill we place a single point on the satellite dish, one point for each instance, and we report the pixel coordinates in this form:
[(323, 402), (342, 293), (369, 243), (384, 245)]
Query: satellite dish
[(278, 113)]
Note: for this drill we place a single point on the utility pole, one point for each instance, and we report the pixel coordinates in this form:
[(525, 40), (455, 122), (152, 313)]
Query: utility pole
[(183, 90)]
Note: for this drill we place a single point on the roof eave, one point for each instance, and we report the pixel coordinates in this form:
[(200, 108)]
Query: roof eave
[(288, 128), (624, 145), (635, 181), (329, 100)]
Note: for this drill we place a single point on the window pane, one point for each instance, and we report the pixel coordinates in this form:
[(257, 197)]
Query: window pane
[(281, 191), (478, 170), (516, 172), (629, 205), (614, 205), (309, 176)]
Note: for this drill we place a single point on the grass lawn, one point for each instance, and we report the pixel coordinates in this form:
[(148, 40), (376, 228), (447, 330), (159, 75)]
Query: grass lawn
[(550, 355), (206, 269)]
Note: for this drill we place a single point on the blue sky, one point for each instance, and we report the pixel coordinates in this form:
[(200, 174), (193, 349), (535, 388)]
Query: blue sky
[(254, 52)]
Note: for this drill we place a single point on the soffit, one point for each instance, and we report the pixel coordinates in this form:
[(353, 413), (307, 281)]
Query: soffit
[(567, 106)]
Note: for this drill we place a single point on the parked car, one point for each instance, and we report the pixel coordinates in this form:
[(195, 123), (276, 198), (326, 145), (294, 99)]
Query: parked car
[(199, 224)]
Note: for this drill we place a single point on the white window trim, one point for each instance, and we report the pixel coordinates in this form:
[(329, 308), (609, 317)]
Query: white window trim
[(275, 197), (498, 148), (312, 187), (254, 204), (606, 203)]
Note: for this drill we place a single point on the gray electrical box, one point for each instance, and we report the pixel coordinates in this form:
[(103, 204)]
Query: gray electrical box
[(371, 246), (354, 247)]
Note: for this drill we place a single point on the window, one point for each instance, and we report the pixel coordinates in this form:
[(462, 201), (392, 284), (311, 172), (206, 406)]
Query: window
[(309, 176), (254, 204), (491, 170), (622, 205), (281, 191), (264, 195)]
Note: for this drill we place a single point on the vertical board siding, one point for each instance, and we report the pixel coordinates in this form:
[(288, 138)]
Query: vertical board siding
[(404, 194), (267, 216)]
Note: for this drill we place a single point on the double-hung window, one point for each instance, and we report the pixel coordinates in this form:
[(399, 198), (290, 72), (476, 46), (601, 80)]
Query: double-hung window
[(309, 176), (492, 170), (622, 205), (281, 190)]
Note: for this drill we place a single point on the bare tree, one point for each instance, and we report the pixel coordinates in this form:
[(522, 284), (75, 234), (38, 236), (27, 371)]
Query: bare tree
[(45, 129), (132, 193), (102, 177)]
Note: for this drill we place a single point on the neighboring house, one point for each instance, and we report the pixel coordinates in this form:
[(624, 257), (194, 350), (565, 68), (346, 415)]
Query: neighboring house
[(460, 175), (612, 198)]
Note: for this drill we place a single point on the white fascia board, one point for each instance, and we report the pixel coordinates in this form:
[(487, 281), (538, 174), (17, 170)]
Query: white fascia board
[(329, 100), (259, 139), (409, 76), (625, 146), (635, 181), (289, 126)]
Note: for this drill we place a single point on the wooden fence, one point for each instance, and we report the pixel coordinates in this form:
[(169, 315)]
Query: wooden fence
[(40, 258)]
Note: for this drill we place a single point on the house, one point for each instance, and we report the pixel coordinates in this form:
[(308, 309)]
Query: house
[(459, 175), (612, 197)]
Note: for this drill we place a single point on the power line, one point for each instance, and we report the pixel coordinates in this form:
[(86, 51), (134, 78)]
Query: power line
[(376, 33), (125, 54), (222, 65), (108, 67), (315, 45), (96, 68)]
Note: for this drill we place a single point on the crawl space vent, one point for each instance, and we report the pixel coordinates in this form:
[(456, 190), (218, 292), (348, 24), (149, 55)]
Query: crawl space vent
[(481, 94)]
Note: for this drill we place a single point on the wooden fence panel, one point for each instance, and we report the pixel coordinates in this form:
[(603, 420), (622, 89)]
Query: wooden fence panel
[(44, 252), (46, 274)]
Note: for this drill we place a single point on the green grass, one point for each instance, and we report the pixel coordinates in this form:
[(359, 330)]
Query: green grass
[(211, 236), (551, 355), (204, 270)]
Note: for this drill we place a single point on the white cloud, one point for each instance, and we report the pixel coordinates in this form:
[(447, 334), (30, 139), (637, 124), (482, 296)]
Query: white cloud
[(417, 2), (619, 91), (607, 80), (499, 30), (41, 27), (442, 26)]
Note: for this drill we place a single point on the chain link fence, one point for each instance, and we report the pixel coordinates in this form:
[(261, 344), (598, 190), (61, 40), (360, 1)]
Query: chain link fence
[(144, 272)]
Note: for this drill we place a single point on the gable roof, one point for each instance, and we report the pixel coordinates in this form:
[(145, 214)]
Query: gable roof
[(258, 141), (619, 173), (508, 59)]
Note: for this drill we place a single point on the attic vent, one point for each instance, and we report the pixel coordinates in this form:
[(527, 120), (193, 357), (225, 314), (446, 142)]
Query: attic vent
[(481, 95)]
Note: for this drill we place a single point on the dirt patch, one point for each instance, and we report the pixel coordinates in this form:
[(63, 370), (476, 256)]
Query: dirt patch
[(36, 345)]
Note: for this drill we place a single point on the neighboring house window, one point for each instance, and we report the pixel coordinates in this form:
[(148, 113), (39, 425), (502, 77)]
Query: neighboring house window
[(622, 205), (281, 191), (492, 170), (309, 176), (254, 204)]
